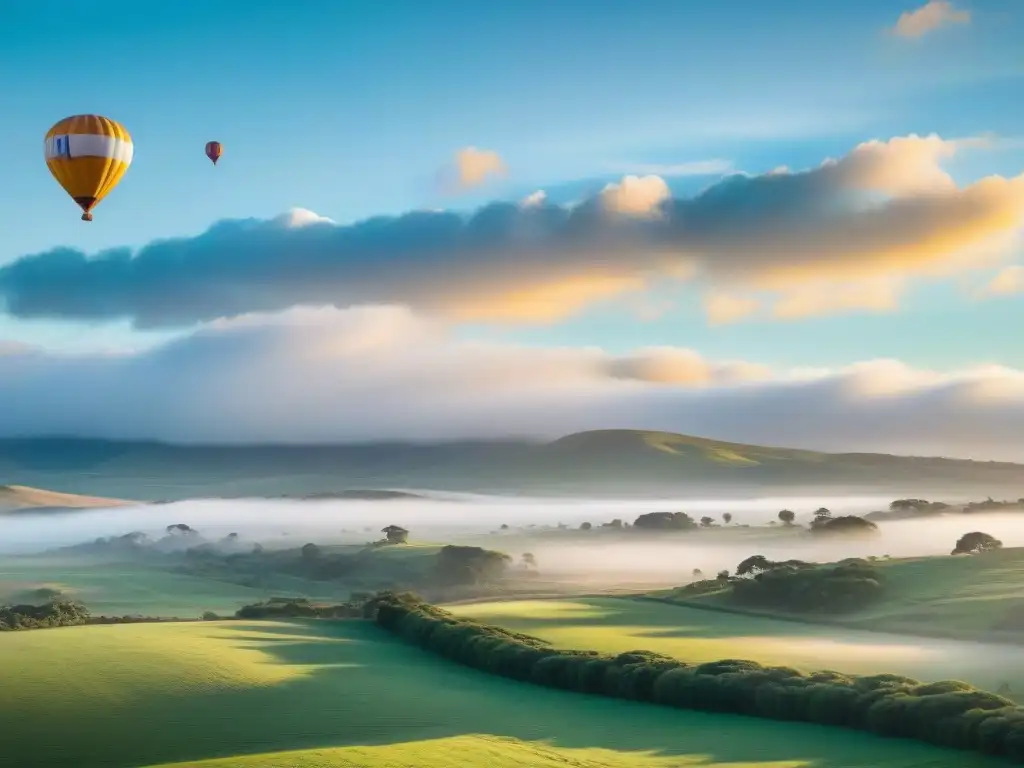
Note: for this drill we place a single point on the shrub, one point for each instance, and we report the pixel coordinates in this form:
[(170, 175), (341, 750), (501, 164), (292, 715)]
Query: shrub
[(947, 713), (976, 541)]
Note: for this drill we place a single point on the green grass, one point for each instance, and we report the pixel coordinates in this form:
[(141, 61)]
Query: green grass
[(122, 588), (694, 635), (950, 595), (958, 597), (348, 694)]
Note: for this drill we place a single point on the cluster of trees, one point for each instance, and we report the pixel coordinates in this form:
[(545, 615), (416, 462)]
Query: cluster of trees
[(801, 587), (470, 566), (948, 713), (59, 613), (299, 607), (665, 521), (823, 522)]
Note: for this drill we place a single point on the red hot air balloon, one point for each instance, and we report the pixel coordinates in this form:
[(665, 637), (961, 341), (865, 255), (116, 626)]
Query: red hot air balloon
[(213, 151)]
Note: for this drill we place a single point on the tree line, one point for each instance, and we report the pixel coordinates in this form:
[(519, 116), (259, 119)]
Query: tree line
[(949, 713)]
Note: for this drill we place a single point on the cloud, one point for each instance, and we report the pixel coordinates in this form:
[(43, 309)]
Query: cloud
[(366, 373), (672, 365), (1008, 281), (712, 167), (471, 167), (929, 17), (885, 211), (810, 300), (722, 308), (636, 196), (534, 199)]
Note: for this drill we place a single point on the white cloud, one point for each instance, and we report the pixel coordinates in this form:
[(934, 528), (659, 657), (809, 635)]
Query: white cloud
[(929, 17), (534, 199), (300, 217), (386, 373)]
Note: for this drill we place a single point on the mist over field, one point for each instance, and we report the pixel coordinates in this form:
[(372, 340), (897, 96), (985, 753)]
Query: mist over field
[(599, 556)]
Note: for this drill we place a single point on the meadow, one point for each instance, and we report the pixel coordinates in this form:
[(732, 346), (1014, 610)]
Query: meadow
[(346, 693), (615, 625), (980, 597), (122, 588)]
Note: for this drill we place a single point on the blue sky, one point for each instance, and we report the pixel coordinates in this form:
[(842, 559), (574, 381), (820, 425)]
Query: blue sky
[(349, 109)]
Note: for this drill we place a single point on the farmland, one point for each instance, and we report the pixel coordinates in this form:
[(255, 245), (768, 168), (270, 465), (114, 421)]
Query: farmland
[(347, 694)]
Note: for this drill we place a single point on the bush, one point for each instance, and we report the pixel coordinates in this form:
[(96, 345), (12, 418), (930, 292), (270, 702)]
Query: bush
[(948, 713), (57, 613)]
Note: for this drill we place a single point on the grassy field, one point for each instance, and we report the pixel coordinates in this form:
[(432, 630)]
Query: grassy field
[(122, 588), (960, 597), (691, 634), (323, 694)]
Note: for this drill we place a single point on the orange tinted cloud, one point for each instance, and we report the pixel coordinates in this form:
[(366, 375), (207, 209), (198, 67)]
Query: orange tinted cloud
[(929, 17)]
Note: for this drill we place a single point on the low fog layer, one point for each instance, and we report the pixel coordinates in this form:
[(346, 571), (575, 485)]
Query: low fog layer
[(597, 556), (346, 521)]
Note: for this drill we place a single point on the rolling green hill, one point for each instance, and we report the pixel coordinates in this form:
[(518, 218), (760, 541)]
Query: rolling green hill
[(608, 461), (346, 694)]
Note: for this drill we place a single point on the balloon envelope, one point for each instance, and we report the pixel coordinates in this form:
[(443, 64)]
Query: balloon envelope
[(214, 150), (88, 155)]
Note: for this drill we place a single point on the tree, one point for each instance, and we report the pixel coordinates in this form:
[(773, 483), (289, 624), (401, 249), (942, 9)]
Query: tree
[(976, 541), (707, 522), (723, 575), (529, 561), (727, 517), (504, 526), (585, 526), (753, 565), (470, 565), (395, 534), (181, 529), (787, 517), (821, 513), (843, 524), (310, 552), (698, 573), (665, 521)]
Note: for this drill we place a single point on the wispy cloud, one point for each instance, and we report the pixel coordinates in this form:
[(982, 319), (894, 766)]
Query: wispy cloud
[(712, 167), (1008, 281), (929, 17)]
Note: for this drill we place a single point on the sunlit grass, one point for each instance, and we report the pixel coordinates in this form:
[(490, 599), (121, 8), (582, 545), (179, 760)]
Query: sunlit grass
[(319, 694), (689, 634)]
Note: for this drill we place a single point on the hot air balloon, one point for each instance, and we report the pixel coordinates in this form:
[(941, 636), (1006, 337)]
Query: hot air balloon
[(88, 155), (214, 150)]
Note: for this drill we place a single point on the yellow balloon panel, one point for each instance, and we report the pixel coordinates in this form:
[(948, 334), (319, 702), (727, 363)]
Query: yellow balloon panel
[(87, 177)]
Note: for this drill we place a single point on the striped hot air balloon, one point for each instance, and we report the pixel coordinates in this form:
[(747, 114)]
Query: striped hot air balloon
[(88, 155), (214, 150)]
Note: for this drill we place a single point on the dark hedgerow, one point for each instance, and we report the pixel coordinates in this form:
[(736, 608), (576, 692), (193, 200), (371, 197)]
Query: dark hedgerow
[(949, 713)]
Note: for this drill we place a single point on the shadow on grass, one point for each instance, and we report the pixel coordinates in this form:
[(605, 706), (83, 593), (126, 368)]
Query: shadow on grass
[(354, 684)]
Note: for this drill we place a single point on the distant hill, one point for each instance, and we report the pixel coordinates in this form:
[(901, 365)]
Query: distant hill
[(21, 498), (615, 462)]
